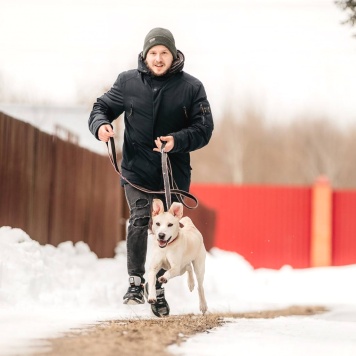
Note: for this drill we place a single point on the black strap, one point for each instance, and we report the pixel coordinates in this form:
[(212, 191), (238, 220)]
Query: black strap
[(167, 186), (180, 194)]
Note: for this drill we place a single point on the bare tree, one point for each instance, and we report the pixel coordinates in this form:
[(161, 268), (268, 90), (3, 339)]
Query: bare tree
[(350, 7), (346, 178), (319, 147), (247, 150)]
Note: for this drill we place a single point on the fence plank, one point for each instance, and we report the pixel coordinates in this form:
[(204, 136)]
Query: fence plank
[(42, 176)]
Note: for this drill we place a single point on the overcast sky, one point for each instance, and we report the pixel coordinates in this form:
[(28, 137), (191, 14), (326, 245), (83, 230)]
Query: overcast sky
[(284, 58)]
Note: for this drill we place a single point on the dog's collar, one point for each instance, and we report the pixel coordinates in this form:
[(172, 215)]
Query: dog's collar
[(173, 240)]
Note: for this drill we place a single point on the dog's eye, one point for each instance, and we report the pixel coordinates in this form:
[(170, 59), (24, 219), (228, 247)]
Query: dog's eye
[(158, 224), (170, 224)]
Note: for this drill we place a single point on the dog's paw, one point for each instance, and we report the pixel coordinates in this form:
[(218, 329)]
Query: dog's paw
[(203, 308), (162, 279), (151, 300), (190, 279)]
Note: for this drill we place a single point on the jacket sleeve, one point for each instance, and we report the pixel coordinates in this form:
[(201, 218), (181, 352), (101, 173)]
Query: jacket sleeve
[(200, 128), (107, 108)]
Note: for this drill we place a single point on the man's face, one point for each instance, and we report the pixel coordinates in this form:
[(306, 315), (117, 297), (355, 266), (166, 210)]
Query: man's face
[(159, 59)]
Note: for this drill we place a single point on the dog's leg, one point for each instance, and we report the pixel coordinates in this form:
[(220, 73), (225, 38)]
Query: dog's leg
[(151, 297), (151, 281), (190, 277), (174, 271), (199, 269)]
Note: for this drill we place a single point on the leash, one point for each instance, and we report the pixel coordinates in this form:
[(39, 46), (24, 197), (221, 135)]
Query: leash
[(167, 177), (167, 186)]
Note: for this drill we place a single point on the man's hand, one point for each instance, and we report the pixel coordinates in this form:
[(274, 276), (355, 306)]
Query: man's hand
[(169, 143), (105, 132)]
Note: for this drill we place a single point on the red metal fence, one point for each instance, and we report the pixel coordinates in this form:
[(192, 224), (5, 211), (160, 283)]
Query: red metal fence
[(275, 226), (269, 226)]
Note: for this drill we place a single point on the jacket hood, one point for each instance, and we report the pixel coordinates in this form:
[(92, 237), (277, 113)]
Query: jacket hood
[(177, 65)]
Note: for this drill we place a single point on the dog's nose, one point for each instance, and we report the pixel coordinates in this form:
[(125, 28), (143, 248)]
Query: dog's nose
[(161, 235)]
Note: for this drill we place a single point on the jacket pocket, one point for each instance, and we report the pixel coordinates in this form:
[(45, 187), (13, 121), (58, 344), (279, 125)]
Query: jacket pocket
[(204, 112), (186, 117), (129, 112)]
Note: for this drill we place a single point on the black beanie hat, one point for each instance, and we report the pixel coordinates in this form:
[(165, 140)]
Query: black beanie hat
[(159, 36)]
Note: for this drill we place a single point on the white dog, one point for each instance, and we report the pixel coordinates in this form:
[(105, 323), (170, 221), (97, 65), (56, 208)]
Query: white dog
[(179, 246)]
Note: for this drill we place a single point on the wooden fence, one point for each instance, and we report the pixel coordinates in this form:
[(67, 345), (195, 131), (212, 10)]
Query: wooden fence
[(57, 191)]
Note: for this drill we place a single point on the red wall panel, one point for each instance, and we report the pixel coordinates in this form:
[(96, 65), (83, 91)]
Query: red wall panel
[(268, 226), (344, 228)]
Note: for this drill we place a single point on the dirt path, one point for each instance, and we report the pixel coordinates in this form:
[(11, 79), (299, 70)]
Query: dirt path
[(150, 337)]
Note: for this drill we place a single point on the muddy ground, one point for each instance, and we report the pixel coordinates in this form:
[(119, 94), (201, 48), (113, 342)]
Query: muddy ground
[(150, 337)]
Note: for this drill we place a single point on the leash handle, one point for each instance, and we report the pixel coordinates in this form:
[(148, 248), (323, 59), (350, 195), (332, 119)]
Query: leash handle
[(179, 193)]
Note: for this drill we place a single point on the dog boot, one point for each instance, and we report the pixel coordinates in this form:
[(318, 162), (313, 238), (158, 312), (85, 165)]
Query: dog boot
[(161, 307), (134, 294)]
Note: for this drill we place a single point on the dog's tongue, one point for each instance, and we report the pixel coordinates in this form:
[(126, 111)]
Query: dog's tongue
[(162, 242)]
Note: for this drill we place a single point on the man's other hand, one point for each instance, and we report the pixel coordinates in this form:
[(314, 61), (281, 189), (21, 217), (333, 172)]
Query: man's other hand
[(169, 143), (105, 132)]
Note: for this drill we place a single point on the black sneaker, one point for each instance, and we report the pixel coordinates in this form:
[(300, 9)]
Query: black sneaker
[(134, 294), (161, 307)]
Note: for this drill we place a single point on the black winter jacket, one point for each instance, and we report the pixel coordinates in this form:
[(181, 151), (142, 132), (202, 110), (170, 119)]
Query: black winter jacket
[(175, 104)]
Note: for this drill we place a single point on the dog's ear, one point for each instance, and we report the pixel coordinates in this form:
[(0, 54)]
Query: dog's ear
[(157, 207), (176, 210)]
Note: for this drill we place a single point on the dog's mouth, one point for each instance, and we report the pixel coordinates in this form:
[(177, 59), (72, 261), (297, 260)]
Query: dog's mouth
[(163, 243)]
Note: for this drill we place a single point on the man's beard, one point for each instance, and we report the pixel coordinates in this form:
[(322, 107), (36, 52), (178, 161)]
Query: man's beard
[(153, 73)]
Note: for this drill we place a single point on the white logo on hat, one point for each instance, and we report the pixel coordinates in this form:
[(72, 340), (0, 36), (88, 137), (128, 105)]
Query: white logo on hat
[(152, 39)]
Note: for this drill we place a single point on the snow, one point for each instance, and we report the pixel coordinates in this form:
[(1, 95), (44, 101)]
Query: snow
[(292, 336), (46, 291)]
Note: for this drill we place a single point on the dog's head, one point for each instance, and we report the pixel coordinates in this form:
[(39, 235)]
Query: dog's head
[(165, 225)]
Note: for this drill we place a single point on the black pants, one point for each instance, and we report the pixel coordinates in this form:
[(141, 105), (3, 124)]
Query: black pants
[(140, 204)]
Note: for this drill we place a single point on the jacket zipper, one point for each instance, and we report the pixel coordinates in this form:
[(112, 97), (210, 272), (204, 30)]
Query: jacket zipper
[(185, 112)]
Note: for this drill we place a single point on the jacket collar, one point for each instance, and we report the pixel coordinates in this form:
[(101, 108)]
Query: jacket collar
[(177, 65)]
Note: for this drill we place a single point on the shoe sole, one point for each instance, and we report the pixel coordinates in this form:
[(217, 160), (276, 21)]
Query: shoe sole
[(133, 301), (158, 314)]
